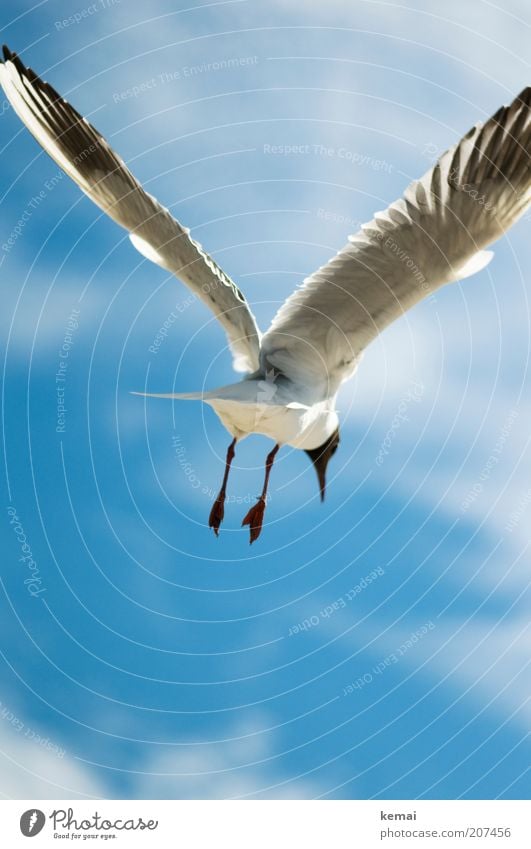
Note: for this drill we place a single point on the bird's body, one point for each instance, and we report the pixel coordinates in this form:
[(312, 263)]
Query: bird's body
[(269, 407), (435, 234), (288, 423)]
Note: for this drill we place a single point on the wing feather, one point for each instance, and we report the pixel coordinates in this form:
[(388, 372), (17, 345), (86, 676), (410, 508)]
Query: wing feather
[(434, 235), (88, 159)]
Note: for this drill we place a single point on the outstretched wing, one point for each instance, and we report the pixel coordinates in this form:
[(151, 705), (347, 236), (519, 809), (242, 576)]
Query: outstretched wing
[(90, 161), (433, 235)]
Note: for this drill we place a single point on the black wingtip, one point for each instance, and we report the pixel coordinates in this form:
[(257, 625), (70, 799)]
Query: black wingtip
[(525, 96), (18, 63), (31, 75), (6, 53)]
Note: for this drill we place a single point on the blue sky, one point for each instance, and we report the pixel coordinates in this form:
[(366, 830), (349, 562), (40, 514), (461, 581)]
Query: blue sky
[(159, 662)]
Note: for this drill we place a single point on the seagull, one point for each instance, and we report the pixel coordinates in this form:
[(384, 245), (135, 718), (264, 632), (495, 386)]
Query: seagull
[(435, 234)]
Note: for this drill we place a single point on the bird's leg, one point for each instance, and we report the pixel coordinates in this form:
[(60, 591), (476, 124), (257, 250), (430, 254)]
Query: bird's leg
[(255, 516), (218, 509)]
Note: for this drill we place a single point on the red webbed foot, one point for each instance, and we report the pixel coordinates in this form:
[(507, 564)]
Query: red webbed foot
[(255, 519), (218, 508), (217, 513)]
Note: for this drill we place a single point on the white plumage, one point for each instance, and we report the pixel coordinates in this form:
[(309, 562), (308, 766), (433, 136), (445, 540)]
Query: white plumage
[(436, 234)]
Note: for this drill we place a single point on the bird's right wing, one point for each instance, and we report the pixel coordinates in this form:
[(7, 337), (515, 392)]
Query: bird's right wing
[(88, 159), (435, 234)]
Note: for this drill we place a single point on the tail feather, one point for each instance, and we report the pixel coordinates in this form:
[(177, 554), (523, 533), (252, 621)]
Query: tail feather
[(241, 390), (181, 396)]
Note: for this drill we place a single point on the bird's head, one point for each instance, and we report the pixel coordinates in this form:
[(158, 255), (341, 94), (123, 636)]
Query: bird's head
[(320, 458)]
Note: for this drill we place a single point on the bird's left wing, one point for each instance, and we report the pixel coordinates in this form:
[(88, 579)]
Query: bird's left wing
[(88, 159), (435, 234)]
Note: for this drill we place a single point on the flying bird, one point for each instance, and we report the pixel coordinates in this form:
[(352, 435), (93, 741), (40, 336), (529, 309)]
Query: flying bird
[(435, 234)]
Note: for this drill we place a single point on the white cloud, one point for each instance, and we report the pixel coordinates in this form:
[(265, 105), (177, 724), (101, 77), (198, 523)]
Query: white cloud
[(487, 661), (244, 766)]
